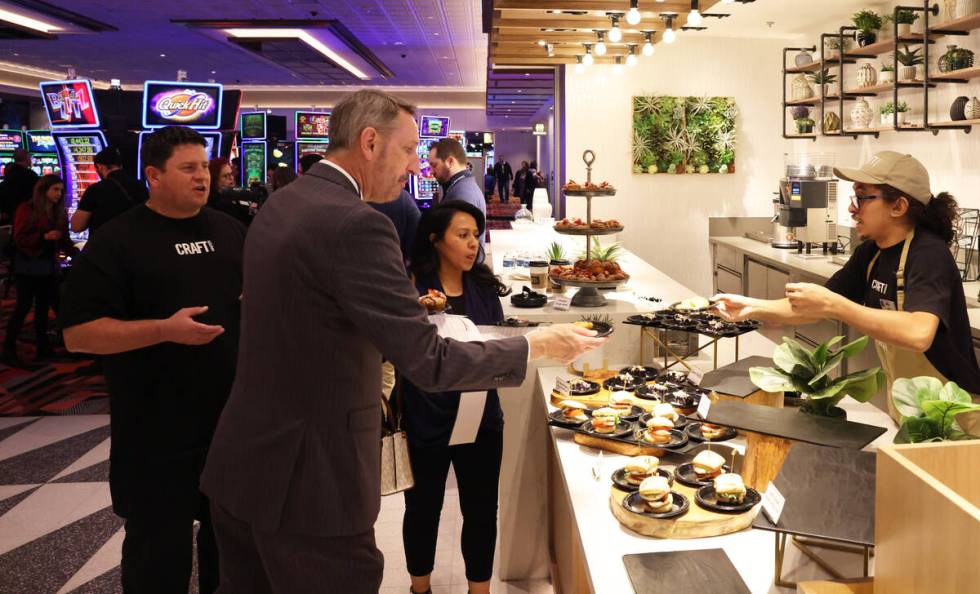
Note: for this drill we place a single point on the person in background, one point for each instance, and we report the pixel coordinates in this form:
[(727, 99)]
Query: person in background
[(489, 181), (222, 176), (447, 158), (404, 214), (531, 180), (109, 198), (307, 161), (503, 173), (17, 186), (281, 177), (222, 187), (445, 258), (157, 292), (40, 231), (519, 180)]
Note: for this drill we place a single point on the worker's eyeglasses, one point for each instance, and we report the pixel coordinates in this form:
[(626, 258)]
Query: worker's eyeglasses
[(858, 201)]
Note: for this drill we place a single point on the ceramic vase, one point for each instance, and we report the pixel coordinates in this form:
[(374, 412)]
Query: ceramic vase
[(957, 111), (886, 76), (867, 76), (830, 89), (803, 58), (955, 58), (887, 119), (801, 88), (861, 114), (904, 29), (967, 7), (972, 109), (907, 73)]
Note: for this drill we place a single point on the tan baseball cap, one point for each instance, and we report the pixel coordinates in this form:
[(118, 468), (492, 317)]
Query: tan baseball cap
[(900, 171)]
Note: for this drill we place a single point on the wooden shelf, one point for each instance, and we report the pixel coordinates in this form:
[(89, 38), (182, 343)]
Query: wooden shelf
[(810, 135), (960, 25), (950, 124), (885, 45), (957, 74), (811, 102), (857, 92), (880, 128), (815, 66)]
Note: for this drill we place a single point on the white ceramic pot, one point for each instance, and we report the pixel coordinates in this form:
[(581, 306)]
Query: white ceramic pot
[(907, 73), (887, 119), (972, 109), (861, 114), (967, 7), (904, 29), (867, 76), (830, 89), (886, 77)]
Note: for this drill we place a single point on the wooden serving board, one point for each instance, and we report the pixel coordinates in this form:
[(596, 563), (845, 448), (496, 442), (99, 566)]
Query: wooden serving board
[(599, 399), (618, 447), (696, 523)]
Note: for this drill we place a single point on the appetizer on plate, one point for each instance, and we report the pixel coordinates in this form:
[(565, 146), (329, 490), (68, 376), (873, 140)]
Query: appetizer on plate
[(710, 431), (662, 409), (574, 186), (580, 387), (658, 431), (730, 489), (604, 420), (693, 304), (574, 411), (591, 270), (621, 401), (707, 465), (640, 468), (655, 492), (434, 301)]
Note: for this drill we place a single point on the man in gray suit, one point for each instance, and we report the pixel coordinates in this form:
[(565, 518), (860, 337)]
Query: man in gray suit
[(294, 468)]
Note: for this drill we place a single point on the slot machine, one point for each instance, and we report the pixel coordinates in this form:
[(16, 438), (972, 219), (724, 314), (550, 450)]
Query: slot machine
[(425, 187), (44, 152), (312, 131)]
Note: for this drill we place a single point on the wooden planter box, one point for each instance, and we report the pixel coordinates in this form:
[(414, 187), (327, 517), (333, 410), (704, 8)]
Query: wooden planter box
[(927, 518)]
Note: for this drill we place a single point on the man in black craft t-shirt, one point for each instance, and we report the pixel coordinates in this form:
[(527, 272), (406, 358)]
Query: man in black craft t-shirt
[(157, 292), (109, 198)]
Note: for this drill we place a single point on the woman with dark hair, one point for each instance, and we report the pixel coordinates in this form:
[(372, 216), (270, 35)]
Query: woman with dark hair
[(901, 287), (446, 257), (40, 231), (222, 176)]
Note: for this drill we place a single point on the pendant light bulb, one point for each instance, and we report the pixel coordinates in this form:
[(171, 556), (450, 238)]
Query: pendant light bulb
[(633, 14), (631, 58), (669, 35), (600, 47), (615, 34), (579, 67), (618, 66), (694, 18), (648, 49), (587, 59)]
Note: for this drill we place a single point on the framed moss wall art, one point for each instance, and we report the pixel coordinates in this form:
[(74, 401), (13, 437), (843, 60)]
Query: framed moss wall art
[(684, 134)]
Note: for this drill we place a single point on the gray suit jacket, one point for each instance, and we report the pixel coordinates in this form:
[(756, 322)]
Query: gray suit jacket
[(297, 448)]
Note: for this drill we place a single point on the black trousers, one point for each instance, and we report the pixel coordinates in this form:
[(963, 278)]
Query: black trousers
[(477, 468), (255, 562), (503, 190), (157, 554), (36, 291)]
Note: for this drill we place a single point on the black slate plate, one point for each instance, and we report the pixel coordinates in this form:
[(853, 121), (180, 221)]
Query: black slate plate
[(594, 388), (641, 320), (619, 479), (633, 414), (603, 329), (684, 572), (648, 392), (557, 417), (725, 331), (689, 400), (673, 377), (686, 476), (529, 300), (634, 503), (678, 424), (706, 498), (623, 428), (678, 440), (646, 373), (614, 384), (693, 431)]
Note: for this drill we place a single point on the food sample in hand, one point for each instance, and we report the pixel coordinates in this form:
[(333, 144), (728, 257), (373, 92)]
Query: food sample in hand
[(710, 431), (662, 409), (655, 492), (729, 488), (621, 401), (693, 303), (640, 468), (434, 301), (658, 430), (604, 420), (707, 465), (574, 411), (584, 324)]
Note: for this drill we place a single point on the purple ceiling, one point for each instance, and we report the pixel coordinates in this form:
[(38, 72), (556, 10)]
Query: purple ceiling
[(441, 40)]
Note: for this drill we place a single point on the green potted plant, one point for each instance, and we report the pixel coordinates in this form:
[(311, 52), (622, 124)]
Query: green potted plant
[(910, 59), (806, 371), (556, 259), (804, 125), (905, 18), (833, 47), (887, 74), (826, 80), (933, 411), (868, 22), (889, 109)]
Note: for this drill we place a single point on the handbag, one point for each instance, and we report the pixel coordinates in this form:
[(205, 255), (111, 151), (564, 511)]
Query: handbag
[(396, 464)]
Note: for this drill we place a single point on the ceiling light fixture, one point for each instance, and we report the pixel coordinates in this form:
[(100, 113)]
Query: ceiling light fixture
[(305, 38), (587, 59), (615, 34), (579, 66), (648, 48), (541, 42), (694, 18), (631, 58), (27, 22), (633, 14), (600, 47), (669, 34), (551, 50)]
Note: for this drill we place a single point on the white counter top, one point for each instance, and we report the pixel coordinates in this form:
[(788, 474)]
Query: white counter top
[(605, 540)]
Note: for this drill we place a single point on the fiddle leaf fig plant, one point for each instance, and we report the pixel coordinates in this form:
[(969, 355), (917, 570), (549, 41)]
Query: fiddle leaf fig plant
[(798, 369), (933, 411)]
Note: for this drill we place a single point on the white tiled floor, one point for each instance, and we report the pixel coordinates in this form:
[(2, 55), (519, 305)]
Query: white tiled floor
[(449, 576)]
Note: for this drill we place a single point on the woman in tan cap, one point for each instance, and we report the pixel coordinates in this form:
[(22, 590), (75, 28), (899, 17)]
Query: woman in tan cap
[(901, 287)]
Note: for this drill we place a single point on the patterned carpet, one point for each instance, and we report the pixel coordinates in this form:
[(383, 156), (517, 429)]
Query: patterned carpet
[(64, 385)]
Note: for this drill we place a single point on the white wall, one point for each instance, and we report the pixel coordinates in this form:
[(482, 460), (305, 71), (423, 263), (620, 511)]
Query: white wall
[(666, 216)]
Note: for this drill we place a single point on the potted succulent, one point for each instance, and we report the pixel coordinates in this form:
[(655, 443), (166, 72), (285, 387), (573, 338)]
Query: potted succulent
[(887, 74), (832, 47), (933, 411), (556, 259), (804, 125), (868, 22), (910, 59), (798, 369), (905, 18), (888, 111), (826, 80)]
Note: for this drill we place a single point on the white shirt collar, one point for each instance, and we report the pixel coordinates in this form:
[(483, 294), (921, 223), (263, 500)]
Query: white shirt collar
[(357, 188)]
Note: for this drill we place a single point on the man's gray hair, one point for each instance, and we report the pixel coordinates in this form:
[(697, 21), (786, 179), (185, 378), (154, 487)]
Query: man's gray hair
[(368, 108)]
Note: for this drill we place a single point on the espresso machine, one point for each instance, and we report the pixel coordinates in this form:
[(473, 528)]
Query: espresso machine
[(806, 210)]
